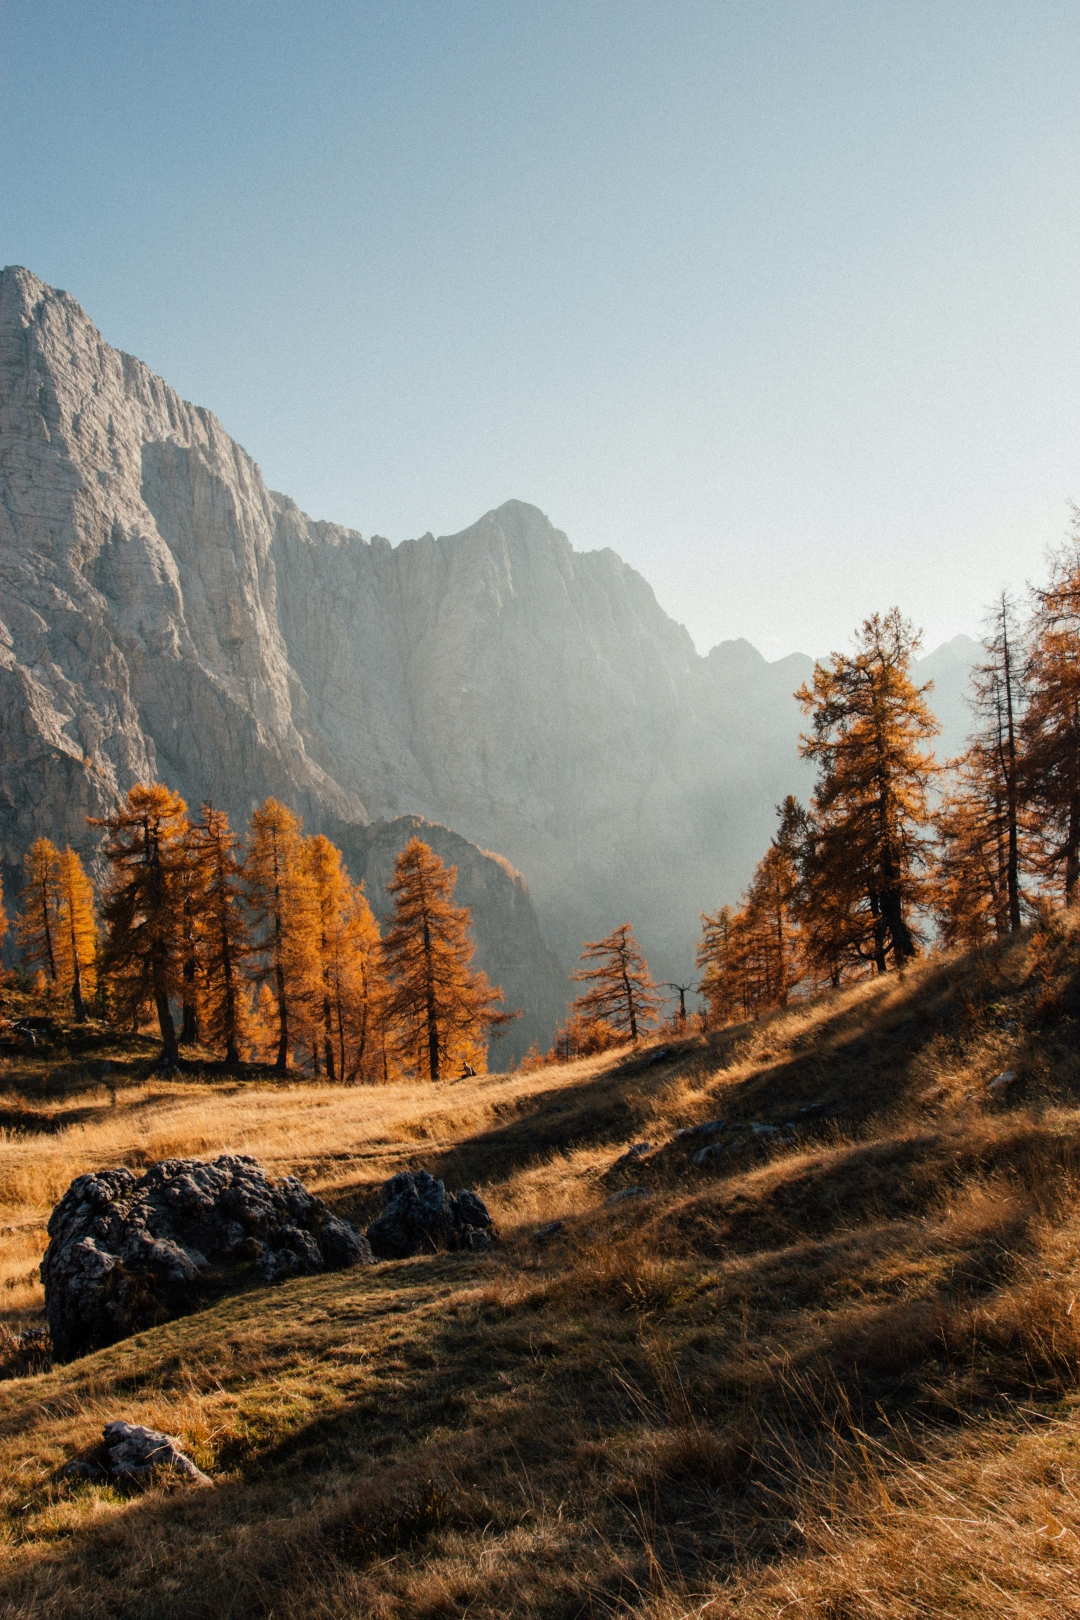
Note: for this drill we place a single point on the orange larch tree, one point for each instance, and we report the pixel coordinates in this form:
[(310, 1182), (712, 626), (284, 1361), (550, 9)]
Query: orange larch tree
[(38, 927), (1050, 730), (148, 855), (865, 848), (277, 876), (77, 940), (439, 1010), (623, 994), (222, 936)]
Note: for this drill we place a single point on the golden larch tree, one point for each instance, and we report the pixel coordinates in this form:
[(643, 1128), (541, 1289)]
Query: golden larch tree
[(439, 1010), (331, 887), (752, 958), (77, 939), (222, 934), (281, 894), (623, 994), (38, 927), (359, 990), (148, 856), (865, 849), (1050, 729)]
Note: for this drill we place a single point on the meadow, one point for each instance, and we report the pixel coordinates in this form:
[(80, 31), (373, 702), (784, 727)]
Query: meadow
[(832, 1372)]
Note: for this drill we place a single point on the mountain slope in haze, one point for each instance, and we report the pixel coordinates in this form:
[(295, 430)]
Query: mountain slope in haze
[(165, 614)]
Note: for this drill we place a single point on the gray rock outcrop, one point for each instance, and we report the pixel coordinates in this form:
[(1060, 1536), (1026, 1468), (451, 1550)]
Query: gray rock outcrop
[(420, 1217), (126, 1253)]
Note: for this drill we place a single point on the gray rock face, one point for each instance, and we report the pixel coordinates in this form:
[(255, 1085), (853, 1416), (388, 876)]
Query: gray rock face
[(420, 1217), (125, 1254), (141, 629)]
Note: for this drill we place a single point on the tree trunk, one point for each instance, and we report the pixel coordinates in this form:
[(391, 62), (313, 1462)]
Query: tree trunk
[(282, 1059), (76, 981), (170, 1052), (432, 1017)]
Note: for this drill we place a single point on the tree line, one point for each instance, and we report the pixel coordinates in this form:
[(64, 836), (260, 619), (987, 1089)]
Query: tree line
[(263, 952), (896, 847), (272, 951)]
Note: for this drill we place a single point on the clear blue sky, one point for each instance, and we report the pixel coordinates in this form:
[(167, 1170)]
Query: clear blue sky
[(781, 301)]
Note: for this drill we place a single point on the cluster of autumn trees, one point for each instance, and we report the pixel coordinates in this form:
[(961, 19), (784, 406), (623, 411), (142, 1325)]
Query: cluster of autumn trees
[(267, 952), (894, 846)]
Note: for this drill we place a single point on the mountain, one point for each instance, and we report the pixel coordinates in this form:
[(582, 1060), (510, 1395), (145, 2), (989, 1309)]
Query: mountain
[(162, 613)]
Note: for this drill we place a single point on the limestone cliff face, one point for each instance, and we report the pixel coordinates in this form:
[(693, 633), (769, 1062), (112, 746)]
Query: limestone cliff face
[(540, 701), (139, 624), (137, 593)]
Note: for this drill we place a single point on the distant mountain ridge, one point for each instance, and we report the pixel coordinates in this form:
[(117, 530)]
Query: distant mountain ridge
[(164, 613)]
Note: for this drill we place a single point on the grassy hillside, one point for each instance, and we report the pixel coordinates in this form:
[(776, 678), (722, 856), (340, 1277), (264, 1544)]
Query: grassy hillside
[(832, 1372)]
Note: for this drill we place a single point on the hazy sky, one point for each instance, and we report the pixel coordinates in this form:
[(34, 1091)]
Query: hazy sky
[(780, 301)]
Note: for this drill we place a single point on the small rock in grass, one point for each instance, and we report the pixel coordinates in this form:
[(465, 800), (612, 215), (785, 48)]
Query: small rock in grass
[(1002, 1080), (708, 1128), (709, 1155), (134, 1453), (631, 1154), (628, 1192), (544, 1234)]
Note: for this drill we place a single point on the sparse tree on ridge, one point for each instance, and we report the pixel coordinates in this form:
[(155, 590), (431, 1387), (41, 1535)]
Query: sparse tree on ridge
[(148, 855), (223, 933), (38, 926), (277, 874), (1050, 731), (439, 1009), (623, 994), (865, 845), (976, 890)]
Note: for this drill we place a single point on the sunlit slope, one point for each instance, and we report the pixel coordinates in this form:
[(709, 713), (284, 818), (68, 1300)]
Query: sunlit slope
[(833, 1370)]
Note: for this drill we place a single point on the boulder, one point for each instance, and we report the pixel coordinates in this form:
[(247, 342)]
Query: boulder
[(134, 1453), (420, 1217), (126, 1253)]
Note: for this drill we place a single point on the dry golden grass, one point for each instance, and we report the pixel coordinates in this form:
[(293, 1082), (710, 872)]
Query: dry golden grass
[(836, 1373)]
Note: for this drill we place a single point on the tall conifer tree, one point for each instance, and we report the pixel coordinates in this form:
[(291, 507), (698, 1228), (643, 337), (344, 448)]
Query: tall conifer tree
[(865, 849), (439, 1009), (623, 993), (223, 934), (148, 856), (1050, 731), (77, 943), (277, 874), (39, 926)]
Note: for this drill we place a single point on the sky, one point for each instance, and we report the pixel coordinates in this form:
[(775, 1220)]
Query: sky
[(779, 301)]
